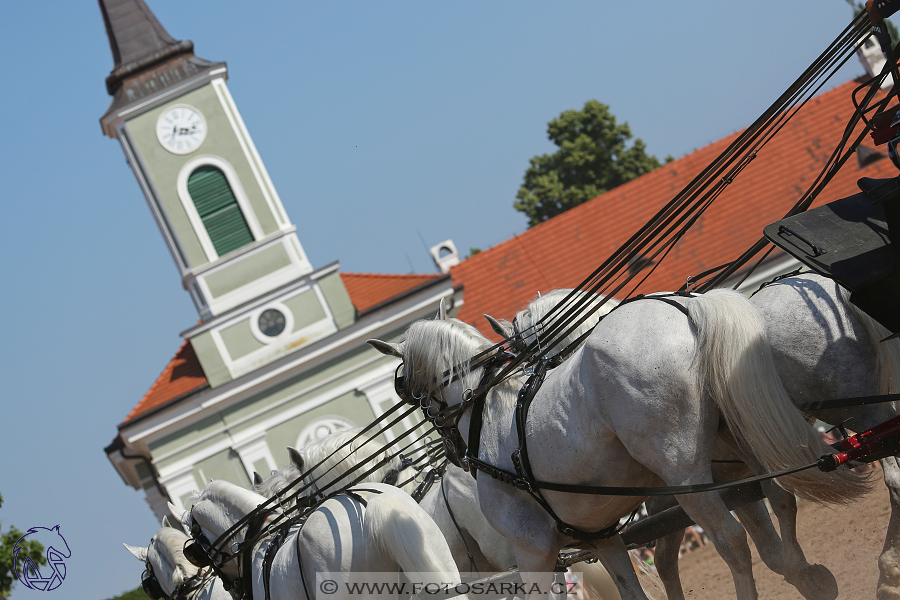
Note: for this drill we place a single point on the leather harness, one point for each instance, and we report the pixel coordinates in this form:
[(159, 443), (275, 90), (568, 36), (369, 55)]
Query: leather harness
[(523, 477)]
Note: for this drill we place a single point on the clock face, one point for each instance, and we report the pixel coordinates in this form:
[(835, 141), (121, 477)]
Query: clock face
[(181, 129)]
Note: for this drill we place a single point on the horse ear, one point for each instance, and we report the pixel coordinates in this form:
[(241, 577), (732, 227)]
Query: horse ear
[(138, 552), (181, 515), (503, 328), (386, 348), (166, 522), (257, 478), (442, 311), (296, 458)]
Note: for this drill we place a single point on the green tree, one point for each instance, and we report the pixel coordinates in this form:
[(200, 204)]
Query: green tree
[(593, 157), (858, 7), (31, 548)]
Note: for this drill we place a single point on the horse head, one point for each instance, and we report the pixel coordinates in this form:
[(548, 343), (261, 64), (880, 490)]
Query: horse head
[(166, 561), (276, 482), (436, 361), (214, 510)]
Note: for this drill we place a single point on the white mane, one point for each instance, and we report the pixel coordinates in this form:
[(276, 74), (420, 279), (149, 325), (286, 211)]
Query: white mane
[(340, 456), (435, 349), (538, 308), (277, 481), (167, 557), (222, 498)]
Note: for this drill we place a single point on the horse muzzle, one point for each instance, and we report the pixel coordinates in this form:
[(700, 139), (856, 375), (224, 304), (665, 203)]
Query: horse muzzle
[(151, 586)]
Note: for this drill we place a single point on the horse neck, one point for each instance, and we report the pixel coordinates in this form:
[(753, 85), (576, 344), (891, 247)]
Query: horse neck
[(222, 505), (541, 307), (369, 454), (497, 415)]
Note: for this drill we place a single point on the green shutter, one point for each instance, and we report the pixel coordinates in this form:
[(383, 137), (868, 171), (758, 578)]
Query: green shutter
[(218, 210)]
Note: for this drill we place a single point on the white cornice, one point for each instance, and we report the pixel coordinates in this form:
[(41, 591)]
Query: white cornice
[(209, 401), (249, 306)]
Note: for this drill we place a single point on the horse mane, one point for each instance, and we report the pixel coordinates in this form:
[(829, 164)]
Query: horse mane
[(341, 455), (538, 308), (434, 349), (277, 481), (169, 547), (225, 493)]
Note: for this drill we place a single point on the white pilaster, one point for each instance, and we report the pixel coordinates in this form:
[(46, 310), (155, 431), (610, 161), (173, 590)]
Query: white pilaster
[(253, 449), (179, 484)]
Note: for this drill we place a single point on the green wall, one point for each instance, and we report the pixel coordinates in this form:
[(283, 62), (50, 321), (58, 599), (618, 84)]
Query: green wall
[(162, 167)]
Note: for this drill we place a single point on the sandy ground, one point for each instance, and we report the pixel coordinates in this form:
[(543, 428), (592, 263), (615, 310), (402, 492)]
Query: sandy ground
[(845, 539)]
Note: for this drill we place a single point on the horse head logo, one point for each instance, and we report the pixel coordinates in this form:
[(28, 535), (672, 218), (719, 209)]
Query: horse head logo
[(57, 551)]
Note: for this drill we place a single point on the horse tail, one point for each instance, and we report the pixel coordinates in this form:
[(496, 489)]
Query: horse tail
[(737, 370), (599, 585), (408, 535)]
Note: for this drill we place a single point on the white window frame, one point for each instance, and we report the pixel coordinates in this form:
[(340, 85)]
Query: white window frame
[(191, 210)]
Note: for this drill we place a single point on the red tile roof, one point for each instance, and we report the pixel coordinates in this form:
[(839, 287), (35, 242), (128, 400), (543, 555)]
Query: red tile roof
[(183, 374), (563, 251), (367, 290)]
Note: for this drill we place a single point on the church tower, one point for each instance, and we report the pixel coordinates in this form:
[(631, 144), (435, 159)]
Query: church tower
[(235, 248), (279, 357)]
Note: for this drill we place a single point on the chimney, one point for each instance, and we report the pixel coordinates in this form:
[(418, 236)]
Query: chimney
[(445, 255), (873, 60)]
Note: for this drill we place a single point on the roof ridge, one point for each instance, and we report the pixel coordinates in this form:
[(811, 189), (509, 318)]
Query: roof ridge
[(391, 274)]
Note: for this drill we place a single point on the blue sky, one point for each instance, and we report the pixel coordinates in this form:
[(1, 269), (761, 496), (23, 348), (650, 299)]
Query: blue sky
[(382, 125)]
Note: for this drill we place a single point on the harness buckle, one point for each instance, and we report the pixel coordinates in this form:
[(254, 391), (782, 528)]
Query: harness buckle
[(522, 484), (566, 530)]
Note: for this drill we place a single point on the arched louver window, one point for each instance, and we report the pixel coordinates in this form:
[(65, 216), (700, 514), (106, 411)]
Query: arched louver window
[(218, 209)]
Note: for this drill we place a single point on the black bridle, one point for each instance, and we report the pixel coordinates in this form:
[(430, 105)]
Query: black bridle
[(201, 553), (446, 418), (153, 589), (151, 584)]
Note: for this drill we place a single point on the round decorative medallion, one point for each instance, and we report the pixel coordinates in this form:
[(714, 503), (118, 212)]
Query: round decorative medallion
[(181, 129), (321, 428), (271, 322)]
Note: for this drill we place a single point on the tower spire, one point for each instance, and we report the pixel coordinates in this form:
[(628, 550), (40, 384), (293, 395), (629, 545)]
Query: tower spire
[(146, 58)]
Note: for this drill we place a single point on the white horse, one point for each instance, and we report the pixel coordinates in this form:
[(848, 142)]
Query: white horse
[(784, 557), (453, 505), (377, 528), (825, 348), (177, 577), (490, 551), (637, 405), (338, 453)]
